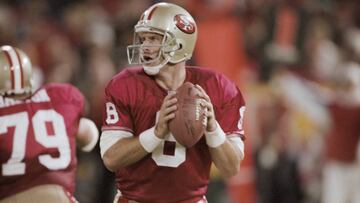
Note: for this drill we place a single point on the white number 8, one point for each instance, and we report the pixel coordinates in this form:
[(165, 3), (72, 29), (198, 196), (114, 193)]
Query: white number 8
[(112, 115), (161, 159)]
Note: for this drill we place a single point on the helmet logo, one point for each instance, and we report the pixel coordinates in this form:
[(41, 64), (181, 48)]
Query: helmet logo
[(184, 23)]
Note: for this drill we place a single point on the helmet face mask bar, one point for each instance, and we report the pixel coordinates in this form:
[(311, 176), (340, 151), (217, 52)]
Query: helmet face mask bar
[(15, 72), (166, 50), (179, 31)]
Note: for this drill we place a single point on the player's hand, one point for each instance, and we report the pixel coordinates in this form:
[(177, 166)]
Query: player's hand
[(209, 114), (166, 113)]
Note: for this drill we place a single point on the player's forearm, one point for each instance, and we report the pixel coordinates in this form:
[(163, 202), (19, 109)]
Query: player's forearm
[(225, 155), (226, 158), (123, 153)]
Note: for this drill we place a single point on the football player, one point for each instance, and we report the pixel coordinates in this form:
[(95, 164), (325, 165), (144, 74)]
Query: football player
[(342, 166), (39, 131), (136, 144)]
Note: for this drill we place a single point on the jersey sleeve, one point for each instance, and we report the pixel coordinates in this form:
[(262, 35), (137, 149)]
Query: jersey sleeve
[(116, 114), (77, 98), (69, 94), (231, 113)]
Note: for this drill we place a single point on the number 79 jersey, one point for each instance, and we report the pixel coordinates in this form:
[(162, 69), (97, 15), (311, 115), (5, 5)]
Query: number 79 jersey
[(171, 173), (37, 139)]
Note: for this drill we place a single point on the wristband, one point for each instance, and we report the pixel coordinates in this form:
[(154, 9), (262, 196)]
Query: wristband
[(216, 137), (149, 140)]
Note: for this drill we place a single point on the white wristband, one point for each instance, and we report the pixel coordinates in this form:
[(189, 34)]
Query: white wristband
[(148, 139), (216, 137)]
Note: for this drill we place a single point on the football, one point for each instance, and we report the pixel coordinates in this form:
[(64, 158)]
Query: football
[(188, 125)]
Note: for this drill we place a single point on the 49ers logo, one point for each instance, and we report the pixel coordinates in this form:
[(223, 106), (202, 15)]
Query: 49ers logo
[(184, 23)]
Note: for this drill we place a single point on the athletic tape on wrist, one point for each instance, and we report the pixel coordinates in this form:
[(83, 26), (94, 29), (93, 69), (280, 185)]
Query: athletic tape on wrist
[(216, 137), (149, 140)]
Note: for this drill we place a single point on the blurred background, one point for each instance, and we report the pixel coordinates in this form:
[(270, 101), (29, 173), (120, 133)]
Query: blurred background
[(295, 61)]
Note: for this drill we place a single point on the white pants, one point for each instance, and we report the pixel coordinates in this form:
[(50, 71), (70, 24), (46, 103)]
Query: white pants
[(119, 195), (341, 183)]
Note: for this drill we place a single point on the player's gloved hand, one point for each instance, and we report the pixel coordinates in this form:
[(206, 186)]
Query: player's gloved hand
[(209, 114), (166, 113)]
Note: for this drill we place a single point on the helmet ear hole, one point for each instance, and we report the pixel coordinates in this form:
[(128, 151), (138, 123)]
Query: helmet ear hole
[(180, 46)]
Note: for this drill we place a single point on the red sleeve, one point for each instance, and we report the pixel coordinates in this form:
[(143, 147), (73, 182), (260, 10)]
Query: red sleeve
[(63, 92), (116, 114), (77, 98), (231, 110)]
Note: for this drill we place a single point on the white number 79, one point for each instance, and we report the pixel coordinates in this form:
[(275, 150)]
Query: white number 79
[(15, 166)]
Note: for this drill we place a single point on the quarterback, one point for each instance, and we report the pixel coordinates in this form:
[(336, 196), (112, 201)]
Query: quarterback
[(136, 143)]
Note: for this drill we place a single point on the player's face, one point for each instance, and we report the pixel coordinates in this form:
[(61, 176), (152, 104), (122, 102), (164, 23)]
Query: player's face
[(150, 47)]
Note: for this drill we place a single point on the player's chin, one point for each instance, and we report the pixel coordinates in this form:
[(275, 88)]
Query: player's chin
[(154, 63)]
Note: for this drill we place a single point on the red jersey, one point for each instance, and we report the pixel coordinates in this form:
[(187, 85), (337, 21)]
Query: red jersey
[(343, 138), (171, 173), (37, 139)]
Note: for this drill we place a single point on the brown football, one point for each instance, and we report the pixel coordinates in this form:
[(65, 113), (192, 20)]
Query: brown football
[(188, 125)]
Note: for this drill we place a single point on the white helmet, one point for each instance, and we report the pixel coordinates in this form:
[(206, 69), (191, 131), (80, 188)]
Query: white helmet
[(15, 71), (178, 28)]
